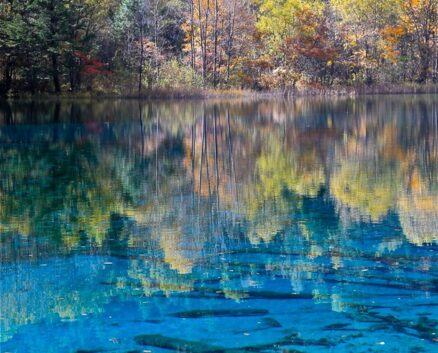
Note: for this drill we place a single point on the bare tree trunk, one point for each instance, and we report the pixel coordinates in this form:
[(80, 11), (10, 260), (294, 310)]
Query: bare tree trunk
[(203, 28), (54, 56), (55, 73), (435, 51), (201, 35), (140, 67), (5, 86), (192, 36), (207, 13), (215, 39), (435, 42), (156, 23), (230, 38), (425, 55)]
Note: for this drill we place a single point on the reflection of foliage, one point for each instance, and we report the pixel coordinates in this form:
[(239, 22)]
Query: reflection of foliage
[(367, 189), (271, 180), (282, 179), (267, 218), (153, 277), (418, 212), (171, 241), (280, 170), (34, 298), (69, 192), (285, 183)]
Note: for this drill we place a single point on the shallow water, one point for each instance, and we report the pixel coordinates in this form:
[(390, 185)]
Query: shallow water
[(219, 226)]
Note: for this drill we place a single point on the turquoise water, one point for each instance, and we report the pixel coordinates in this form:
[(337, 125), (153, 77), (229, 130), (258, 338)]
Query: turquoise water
[(219, 226)]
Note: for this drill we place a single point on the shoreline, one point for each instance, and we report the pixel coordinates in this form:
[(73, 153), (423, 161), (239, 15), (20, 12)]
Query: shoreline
[(205, 94)]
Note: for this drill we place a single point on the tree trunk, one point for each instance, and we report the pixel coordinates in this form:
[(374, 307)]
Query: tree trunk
[(425, 59), (215, 34), (5, 86), (203, 28), (55, 73), (192, 36), (156, 19), (201, 35), (72, 75), (6, 110), (230, 39), (140, 66), (53, 43)]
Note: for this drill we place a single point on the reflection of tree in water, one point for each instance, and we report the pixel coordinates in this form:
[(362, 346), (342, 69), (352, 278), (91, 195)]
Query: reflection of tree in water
[(184, 179), (418, 210), (361, 193), (281, 181), (171, 189), (52, 190)]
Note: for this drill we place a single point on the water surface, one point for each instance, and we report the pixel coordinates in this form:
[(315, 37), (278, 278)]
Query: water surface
[(219, 226)]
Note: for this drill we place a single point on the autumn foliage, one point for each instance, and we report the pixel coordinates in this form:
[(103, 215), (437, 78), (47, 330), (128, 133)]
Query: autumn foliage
[(188, 44), (91, 66)]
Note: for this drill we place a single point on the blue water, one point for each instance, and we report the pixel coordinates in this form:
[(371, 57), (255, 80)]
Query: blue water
[(220, 226)]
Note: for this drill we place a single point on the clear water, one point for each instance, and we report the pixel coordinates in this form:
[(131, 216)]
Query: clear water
[(219, 226)]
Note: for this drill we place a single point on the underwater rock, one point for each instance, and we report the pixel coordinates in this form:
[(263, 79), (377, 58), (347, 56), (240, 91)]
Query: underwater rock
[(426, 304), (181, 345), (153, 321), (257, 294), (176, 344), (294, 339), (194, 314), (426, 328), (336, 327), (270, 322), (265, 323), (392, 321), (148, 321), (378, 327), (352, 336)]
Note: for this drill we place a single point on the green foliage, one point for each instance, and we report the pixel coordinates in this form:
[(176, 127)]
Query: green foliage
[(174, 74)]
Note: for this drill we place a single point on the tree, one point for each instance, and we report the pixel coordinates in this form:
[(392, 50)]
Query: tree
[(146, 30), (299, 41), (419, 19), (258, 44), (22, 55), (211, 29), (362, 23)]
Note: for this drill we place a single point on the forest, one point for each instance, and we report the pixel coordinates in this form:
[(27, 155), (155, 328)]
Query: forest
[(132, 46)]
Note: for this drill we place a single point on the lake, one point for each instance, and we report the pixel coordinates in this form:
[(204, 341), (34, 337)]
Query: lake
[(307, 225)]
